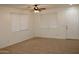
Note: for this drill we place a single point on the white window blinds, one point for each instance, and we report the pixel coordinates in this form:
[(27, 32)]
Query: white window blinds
[(19, 21)]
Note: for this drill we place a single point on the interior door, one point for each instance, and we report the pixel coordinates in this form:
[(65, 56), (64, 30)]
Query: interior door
[(72, 24)]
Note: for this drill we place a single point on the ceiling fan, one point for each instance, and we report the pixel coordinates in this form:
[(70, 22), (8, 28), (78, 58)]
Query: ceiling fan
[(35, 8)]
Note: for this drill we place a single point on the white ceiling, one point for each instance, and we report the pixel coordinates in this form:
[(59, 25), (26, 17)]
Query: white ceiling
[(30, 6)]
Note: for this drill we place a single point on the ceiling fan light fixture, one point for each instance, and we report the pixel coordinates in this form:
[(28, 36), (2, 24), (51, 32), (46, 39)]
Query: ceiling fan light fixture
[(36, 11)]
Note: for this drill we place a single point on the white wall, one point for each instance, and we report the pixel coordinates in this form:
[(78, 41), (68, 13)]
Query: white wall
[(54, 24), (7, 36)]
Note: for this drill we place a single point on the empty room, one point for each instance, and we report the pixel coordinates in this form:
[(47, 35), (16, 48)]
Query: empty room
[(39, 28)]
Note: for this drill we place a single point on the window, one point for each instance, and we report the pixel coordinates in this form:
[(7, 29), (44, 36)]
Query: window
[(19, 21)]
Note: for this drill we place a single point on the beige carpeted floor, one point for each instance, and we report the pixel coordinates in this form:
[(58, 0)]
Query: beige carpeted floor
[(44, 45)]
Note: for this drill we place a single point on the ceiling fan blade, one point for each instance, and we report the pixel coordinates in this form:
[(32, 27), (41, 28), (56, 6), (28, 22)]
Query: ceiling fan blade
[(28, 8), (42, 8)]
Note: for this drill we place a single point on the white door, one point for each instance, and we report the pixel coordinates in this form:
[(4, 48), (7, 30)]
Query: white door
[(72, 23)]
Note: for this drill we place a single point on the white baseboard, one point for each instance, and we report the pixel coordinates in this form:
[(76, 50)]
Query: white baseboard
[(51, 37)]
